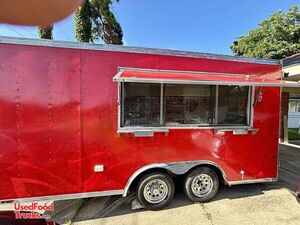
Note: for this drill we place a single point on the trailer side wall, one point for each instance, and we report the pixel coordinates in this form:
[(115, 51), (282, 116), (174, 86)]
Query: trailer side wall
[(59, 114)]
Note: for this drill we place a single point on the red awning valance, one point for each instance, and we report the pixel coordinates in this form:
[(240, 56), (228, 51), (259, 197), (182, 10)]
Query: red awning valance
[(153, 76)]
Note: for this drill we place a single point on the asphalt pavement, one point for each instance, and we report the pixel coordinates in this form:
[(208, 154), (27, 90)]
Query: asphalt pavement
[(266, 203)]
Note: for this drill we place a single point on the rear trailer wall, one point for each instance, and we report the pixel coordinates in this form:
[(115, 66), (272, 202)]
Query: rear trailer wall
[(59, 122)]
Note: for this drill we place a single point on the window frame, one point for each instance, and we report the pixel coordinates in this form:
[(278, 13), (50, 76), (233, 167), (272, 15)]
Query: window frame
[(249, 110), (187, 124), (164, 128)]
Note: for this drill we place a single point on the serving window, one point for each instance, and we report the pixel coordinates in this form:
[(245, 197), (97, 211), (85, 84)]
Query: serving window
[(141, 104), (183, 105), (188, 104), (232, 105)]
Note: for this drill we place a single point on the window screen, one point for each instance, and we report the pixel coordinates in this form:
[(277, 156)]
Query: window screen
[(232, 105), (141, 104), (183, 105), (189, 104)]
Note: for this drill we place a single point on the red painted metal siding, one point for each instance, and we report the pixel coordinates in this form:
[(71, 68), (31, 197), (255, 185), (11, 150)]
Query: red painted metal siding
[(58, 119), (40, 121)]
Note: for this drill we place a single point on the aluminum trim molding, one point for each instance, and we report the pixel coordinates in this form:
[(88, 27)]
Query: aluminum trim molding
[(133, 69), (142, 50), (118, 78), (67, 196), (262, 180), (167, 129), (208, 82)]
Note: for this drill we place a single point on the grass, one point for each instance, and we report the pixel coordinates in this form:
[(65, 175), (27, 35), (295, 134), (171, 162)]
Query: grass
[(293, 134)]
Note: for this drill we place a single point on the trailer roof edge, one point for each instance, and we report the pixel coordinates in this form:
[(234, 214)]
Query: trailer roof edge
[(142, 50)]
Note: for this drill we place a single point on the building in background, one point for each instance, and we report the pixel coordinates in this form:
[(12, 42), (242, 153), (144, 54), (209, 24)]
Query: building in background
[(294, 111), (291, 96)]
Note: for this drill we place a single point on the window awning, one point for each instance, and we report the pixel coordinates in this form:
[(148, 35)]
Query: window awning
[(149, 76)]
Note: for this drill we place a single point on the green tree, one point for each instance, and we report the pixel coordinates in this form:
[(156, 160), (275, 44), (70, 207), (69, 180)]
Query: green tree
[(276, 37), (45, 32), (83, 23), (94, 20)]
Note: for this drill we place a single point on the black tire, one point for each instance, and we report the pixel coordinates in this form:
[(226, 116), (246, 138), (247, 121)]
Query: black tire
[(158, 182), (201, 184)]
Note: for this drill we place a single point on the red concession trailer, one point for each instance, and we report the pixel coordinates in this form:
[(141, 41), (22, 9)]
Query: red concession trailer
[(84, 120)]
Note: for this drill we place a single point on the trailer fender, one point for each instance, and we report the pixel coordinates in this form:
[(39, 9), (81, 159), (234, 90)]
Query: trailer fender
[(177, 168)]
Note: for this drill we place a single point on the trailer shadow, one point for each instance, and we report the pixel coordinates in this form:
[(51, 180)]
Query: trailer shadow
[(101, 207), (95, 208), (180, 200), (225, 192)]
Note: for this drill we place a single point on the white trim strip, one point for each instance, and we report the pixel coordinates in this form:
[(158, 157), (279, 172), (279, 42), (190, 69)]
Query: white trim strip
[(161, 116), (210, 82), (216, 105), (196, 127), (134, 69), (67, 196), (253, 181), (118, 77), (289, 144)]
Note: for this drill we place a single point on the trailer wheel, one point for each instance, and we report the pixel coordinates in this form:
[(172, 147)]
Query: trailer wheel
[(201, 184), (155, 190)]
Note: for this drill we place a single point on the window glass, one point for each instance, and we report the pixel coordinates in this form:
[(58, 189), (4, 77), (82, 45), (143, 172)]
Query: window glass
[(188, 104), (232, 105), (185, 104), (294, 106), (141, 104)]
